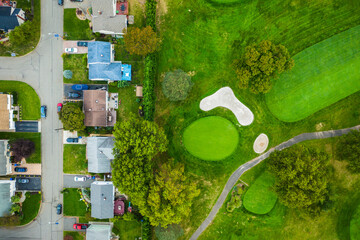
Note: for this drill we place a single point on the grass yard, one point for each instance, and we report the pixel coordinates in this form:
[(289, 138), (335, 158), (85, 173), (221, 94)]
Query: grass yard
[(74, 28), (75, 235), (211, 138), (127, 230), (77, 63), (323, 74), (354, 225), (259, 199), (72, 204), (27, 97), (35, 137), (128, 102), (30, 207), (75, 159)]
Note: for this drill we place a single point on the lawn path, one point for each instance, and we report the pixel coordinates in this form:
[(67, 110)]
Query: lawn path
[(246, 166)]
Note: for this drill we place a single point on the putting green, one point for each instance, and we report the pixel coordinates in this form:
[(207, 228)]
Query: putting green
[(323, 74), (211, 138)]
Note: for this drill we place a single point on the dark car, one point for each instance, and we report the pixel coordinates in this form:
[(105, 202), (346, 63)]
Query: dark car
[(82, 44), (80, 87), (72, 140), (23, 180), (76, 0), (59, 209), (43, 111), (20, 169), (74, 95), (80, 226)]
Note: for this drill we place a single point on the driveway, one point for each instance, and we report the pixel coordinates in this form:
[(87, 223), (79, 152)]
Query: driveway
[(68, 223), (70, 183), (27, 126), (68, 89), (32, 169), (85, 4), (68, 134), (73, 44), (33, 185)]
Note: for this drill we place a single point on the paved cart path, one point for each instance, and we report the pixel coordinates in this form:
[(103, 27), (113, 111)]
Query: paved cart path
[(246, 166)]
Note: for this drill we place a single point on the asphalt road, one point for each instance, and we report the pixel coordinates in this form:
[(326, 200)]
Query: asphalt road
[(243, 168), (70, 183), (42, 69)]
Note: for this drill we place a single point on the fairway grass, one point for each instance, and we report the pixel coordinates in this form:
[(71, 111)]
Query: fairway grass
[(259, 199), (323, 74), (211, 138)]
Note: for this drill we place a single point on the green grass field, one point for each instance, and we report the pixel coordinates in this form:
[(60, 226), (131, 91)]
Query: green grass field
[(355, 225), (27, 97), (75, 159), (75, 235), (323, 74), (211, 138), (259, 199), (127, 230), (74, 28), (72, 204), (30, 207)]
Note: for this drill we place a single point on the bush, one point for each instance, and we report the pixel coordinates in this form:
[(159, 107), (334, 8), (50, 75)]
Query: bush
[(149, 87), (15, 98), (123, 83), (176, 85), (15, 119), (150, 13), (15, 112), (146, 229)]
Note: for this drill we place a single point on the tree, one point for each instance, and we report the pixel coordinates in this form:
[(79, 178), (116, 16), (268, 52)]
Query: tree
[(22, 148), (260, 63), (15, 199), (72, 117), (170, 196), (141, 41), (176, 85), (68, 74), (349, 150), (15, 208), (301, 176), (21, 34)]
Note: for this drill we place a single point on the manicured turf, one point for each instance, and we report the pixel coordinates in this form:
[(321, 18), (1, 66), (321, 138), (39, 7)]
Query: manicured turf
[(72, 204), (75, 159), (259, 199), (30, 207), (27, 97), (323, 74), (211, 138), (75, 235), (355, 225), (127, 230), (74, 28)]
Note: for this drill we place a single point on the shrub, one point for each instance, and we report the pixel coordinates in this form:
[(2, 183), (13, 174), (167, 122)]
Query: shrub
[(15, 119), (146, 229), (149, 86), (123, 83), (150, 13), (176, 85), (15, 112), (15, 97)]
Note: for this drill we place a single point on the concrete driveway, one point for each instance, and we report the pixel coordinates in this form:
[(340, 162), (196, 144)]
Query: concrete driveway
[(68, 89), (70, 183), (68, 134), (73, 44), (33, 185), (83, 5), (32, 169)]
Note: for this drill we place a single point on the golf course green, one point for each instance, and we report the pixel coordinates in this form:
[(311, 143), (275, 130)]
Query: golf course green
[(259, 199), (211, 138), (323, 74)]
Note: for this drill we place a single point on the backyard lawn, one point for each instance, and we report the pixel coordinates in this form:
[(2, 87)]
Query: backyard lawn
[(72, 204), (354, 225), (27, 97), (127, 230), (75, 235), (75, 159), (30, 207), (74, 28)]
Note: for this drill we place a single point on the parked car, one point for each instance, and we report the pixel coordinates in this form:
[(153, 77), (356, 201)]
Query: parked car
[(76, 0), (59, 107), (80, 226), (72, 140), (74, 95), (80, 179), (61, 2), (71, 50), (23, 180), (43, 111), (82, 44), (80, 87), (59, 209), (20, 169)]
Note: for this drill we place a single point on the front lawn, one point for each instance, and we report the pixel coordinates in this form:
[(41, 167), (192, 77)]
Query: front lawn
[(30, 207), (77, 64), (127, 230), (74, 28), (72, 204), (35, 137), (75, 159), (75, 235), (27, 97)]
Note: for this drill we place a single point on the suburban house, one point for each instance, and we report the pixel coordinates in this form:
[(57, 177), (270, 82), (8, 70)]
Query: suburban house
[(99, 154), (105, 19), (102, 200), (102, 66), (5, 164), (7, 123), (98, 231), (10, 18), (7, 190)]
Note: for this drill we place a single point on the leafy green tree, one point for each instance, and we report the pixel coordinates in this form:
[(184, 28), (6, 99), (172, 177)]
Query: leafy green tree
[(170, 196), (72, 117), (301, 176), (21, 34), (15, 208), (141, 41), (15, 199), (349, 150), (260, 63), (176, 85)]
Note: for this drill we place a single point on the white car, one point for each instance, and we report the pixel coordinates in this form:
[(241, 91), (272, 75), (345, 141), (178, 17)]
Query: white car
[(79, 179), (71, 50)]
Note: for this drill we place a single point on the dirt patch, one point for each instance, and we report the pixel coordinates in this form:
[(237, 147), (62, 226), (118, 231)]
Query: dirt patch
[(162, 7)]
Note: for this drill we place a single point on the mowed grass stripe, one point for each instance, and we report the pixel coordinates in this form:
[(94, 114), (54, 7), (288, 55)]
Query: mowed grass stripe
[(323, 74)]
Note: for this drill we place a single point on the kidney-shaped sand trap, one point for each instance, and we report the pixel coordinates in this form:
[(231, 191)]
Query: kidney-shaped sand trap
[(225, 97), (261, 143)]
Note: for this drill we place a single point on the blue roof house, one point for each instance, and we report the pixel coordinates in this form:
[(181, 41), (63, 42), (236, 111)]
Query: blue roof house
[(102, 66), (11, 17)]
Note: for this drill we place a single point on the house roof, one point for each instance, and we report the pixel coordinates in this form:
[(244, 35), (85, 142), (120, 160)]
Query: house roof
[(98, 232), (103, 8), (99, 52), (6, 191), (106, 72), (99, 154), (110, 25), (102, 200), (3, 159), (4, 112), (8, 18)]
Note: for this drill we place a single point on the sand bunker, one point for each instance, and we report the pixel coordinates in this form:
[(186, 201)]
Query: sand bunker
[(225, 97), (261, 143)]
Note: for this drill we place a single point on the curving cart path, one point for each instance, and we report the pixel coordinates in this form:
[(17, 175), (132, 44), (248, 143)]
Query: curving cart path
[(246, 166)]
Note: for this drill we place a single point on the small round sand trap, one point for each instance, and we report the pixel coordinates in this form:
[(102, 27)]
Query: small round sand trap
[(261, 143)]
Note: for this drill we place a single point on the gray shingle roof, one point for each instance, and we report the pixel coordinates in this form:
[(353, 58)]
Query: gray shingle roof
[(110, 25), (3, 160), (98, 232), (99, 154), (5, 198), (102, 200)]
